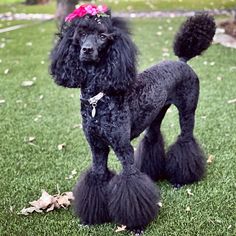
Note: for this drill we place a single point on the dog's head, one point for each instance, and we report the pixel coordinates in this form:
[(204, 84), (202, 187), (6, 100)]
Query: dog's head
[(93, 36), (99, 40)]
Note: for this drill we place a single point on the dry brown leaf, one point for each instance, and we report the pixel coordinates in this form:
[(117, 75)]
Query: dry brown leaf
[(29, 44), (77, 126), (31, 139), (37, 118), (44, 201), (69, 195), (63, 201), (61, 146), (48, 203), (210, 159), (27, 211), (188, 209), (232, 101), (27, 83), (189, 192), (51, 208), (120, 228), (72, 175), (11, 208)]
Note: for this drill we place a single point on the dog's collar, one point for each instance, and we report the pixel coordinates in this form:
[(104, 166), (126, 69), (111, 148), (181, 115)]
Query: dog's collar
[(93, 101)]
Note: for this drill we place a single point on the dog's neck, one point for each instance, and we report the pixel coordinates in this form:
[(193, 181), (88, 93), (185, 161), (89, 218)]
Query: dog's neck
[(90, 88)]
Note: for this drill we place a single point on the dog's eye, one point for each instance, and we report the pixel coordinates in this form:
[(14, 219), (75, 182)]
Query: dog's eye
[(102, 36)]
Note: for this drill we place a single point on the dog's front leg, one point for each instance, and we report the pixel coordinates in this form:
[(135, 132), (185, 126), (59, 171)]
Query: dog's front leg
[(91, 200), (133, 197)]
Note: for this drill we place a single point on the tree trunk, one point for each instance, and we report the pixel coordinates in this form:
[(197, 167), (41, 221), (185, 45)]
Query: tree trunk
[(34, 2), (64, 7)]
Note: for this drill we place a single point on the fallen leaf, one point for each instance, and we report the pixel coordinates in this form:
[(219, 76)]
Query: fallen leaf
[(69, 195), (31, 139), (48, 203), (232, 101), (11, 208), (2, 45), (188, 209), (51, 208), (232, 68), (77, 126), (72, 174), (29, 44), (61, 146), (44, 201), (120, 228), (189, 192), (63, 201), (27, 211), (210, 159), (37, 118), (27, 83)]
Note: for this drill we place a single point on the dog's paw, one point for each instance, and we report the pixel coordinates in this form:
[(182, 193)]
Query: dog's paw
[(91, 200), (132, 200)]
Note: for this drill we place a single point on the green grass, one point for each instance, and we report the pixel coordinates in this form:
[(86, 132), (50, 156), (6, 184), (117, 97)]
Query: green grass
[(126, 5), (26, 169)]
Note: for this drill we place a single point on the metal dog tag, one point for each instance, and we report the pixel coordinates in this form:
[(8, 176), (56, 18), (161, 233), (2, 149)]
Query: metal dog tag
[(93, 101), (94, 109)]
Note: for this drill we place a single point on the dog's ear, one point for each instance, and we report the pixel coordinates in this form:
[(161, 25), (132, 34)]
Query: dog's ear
[(65, 66), (121, 58)]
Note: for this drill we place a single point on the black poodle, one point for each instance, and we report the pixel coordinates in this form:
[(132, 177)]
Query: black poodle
[(95, 52)]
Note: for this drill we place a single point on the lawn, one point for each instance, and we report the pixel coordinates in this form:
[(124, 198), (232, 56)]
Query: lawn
[(49, 113), (125, 5)]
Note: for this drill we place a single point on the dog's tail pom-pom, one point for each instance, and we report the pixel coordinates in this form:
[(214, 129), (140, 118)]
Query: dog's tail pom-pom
[(194, 36)]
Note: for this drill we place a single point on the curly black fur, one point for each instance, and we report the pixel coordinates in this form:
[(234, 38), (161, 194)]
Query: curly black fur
[(91, 199), (118, 60), (101, 57), (133, 200), (194, 36), (187, 158)]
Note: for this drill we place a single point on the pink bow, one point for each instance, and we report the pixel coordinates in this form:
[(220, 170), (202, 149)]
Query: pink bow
[(85, 9)]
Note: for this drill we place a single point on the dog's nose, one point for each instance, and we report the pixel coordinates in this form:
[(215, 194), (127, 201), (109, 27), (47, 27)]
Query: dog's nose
[(87, 50)]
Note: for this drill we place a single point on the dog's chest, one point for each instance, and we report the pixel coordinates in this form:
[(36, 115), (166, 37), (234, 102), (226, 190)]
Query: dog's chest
[(109, 117)]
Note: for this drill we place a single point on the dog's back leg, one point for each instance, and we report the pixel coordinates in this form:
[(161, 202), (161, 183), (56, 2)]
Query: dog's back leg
[(133, 197), (90, 193), (185, 161), (150, 154)]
